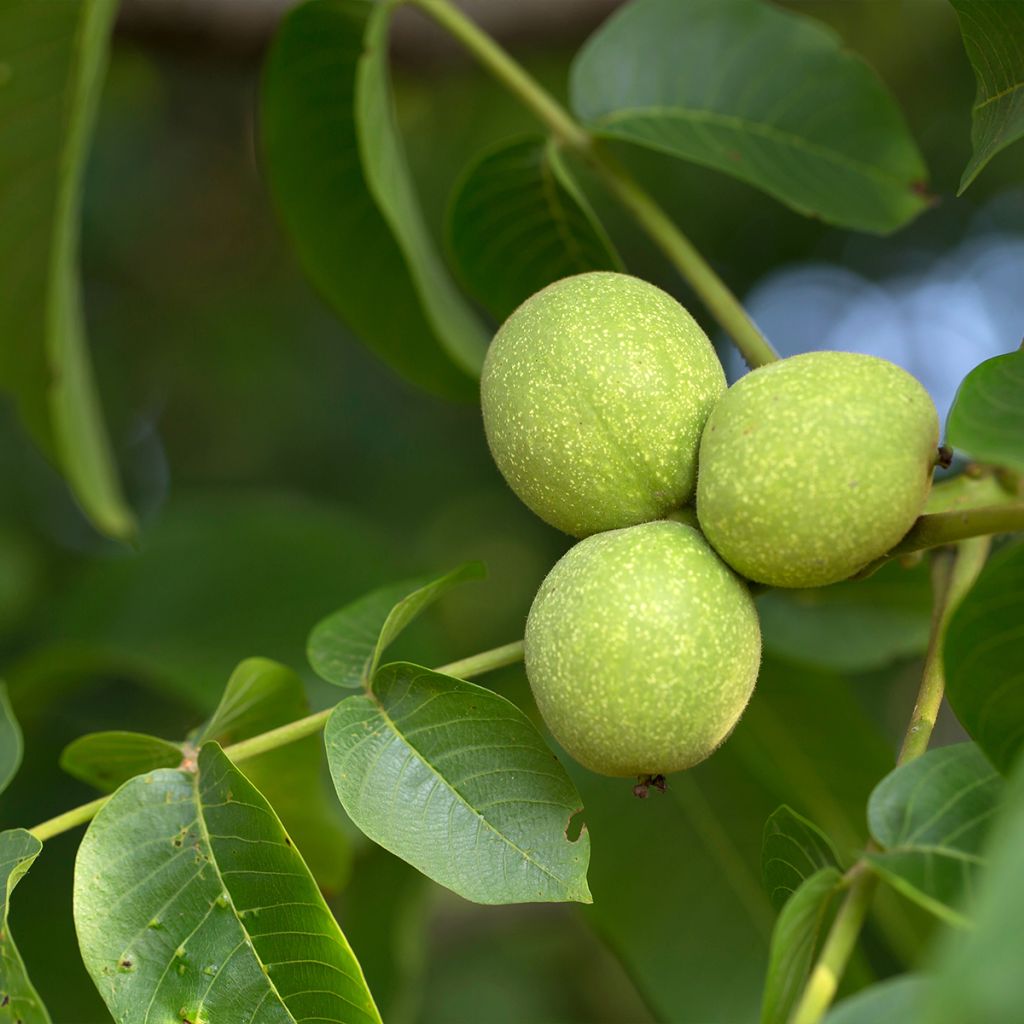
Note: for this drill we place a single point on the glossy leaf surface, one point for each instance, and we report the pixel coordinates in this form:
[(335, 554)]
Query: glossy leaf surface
[(191, 903), (456, 780), (931, 817), (760, 93), (987, 418)]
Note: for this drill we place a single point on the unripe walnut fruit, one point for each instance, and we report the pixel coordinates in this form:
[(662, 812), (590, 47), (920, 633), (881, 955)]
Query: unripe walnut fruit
[(642, 650), (595, 392), (812, 466)]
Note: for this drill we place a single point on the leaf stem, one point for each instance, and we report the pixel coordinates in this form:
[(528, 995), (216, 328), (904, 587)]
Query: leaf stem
[(681, 252), (466, 668), (953, 574)]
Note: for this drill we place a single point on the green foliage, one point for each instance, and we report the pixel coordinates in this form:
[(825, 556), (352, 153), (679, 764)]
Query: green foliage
[(794, 941), (931, 816), (792, 849), (260, 695), (678, 76), (992, 32), (106, 760), (54, 56), (983, 662), (337, 172), (518, 221), (978, 970), (987, 418), (897, 999), (19, 1001), (456, 780), (10, 741), (851, 627), (218, 575), (192, 903), (346, 647)]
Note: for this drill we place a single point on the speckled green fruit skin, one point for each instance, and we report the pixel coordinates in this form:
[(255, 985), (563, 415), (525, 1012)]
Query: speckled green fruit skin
[(815, 465), (642, 650), (595, 392)]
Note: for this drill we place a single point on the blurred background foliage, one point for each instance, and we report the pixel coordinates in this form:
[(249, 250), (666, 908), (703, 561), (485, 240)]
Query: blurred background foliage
[(279, 471)]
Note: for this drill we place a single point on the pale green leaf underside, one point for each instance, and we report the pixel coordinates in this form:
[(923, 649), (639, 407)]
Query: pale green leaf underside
[(896, 1000), (518, 222), (763, 94), (987, 418), (456, 780), (794, 940), (993, 33), (192, 903), (10, 741), (792, 849), (19, 1000), (54, 56), (324, 199), (346, 647), (106, 760), (260, 695), (931, 817), (984, 667), (387, 174)]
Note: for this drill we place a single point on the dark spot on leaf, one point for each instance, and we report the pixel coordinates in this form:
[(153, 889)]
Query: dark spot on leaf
[(6, 999), (288, 840)]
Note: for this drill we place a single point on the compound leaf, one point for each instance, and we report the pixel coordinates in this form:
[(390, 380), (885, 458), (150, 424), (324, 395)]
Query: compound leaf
[(19, 1000), (763, 94), (192, 903), (456, 780), (931, 817)]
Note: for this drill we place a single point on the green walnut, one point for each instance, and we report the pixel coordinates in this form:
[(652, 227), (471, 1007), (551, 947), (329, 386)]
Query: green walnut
[(595, 392), (812, 466), (642, 650)]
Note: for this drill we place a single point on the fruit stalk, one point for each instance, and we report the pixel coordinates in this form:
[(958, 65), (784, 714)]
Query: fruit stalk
[(681, 252)]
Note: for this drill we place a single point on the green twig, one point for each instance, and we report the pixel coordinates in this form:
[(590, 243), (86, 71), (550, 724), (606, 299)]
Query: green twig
[(477, 664), (953, 575), (945, 528), (681, 252)]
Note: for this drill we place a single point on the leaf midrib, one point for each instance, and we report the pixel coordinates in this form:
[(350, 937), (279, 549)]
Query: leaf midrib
[(207, 841), (759, 128), (451, 788)]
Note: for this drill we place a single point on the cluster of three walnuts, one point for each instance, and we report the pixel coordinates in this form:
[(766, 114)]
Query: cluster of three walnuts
[(606, 410)]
